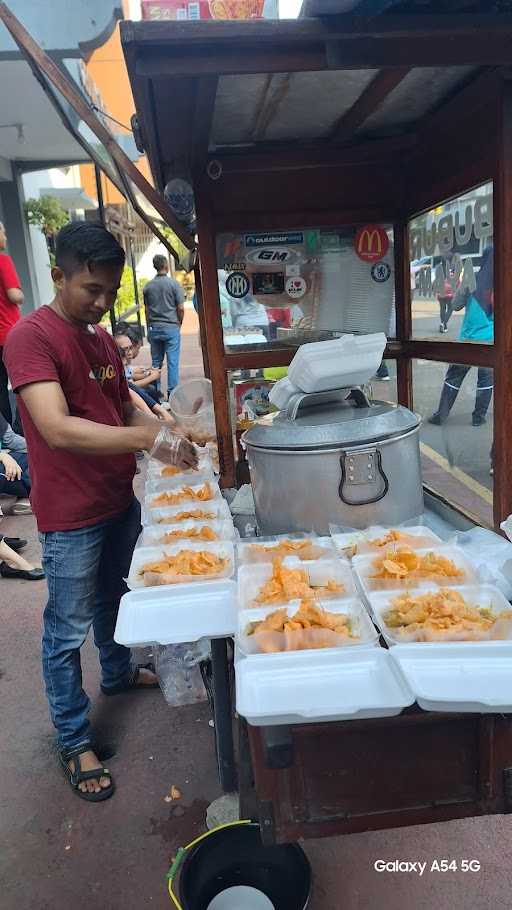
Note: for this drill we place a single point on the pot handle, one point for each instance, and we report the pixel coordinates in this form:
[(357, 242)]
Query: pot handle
[(375, 453)]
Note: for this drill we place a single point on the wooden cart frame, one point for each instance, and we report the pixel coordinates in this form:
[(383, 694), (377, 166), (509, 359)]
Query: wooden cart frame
[(462, 141)]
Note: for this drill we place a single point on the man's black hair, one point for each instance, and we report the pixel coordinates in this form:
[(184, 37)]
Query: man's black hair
[(86, 244), (159, 262)]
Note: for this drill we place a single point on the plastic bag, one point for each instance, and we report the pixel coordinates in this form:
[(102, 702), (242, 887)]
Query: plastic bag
[(491, 555), (179, 675), (191, 405), (174, 450)]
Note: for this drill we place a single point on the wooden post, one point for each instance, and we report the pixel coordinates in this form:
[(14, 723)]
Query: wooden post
[(200, 316), (215, 338), (502, 315), (403, 311)]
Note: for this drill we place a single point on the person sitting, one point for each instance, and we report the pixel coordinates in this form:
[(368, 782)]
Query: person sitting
[(140, 397), (147, 378), (12, 565), (14, 473)]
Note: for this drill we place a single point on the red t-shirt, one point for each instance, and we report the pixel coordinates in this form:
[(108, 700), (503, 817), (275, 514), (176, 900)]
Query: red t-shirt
[(9, 312), (71, 490)]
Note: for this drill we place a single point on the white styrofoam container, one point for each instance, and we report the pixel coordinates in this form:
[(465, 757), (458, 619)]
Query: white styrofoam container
[(315, 686), (149, 499), (166, 515), (155, 468), (157, 484), (143, 555), (418, 537), (283, 642), (173, 615), (343, 362), (476, 595), (345, 542), (364, 568), (281, 392), (458, 677), (251, 579), (153, 535), (254, 549)]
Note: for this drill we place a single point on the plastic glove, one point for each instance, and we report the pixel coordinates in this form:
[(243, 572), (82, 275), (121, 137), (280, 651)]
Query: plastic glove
[(172, 449)]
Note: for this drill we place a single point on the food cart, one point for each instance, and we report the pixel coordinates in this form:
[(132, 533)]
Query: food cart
[(343, 123), (307, 142)]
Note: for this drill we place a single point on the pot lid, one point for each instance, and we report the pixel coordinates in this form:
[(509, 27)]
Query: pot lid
[(315, 422)]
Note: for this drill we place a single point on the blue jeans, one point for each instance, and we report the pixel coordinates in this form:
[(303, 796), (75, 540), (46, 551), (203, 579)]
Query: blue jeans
[(19, 488), (165, 341), (84, 571)]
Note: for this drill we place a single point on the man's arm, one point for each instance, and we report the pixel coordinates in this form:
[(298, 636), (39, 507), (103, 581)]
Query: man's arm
[(14, 295), (49, 411), (180, 300)]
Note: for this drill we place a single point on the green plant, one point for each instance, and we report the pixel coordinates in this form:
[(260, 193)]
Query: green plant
[(47, 214), (125, 299)]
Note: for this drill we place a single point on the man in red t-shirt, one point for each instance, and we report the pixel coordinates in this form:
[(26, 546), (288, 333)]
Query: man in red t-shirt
[(11, 298), (82, 432)]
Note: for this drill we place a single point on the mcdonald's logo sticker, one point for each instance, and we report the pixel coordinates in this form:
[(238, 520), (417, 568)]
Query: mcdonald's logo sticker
[(371, 243)]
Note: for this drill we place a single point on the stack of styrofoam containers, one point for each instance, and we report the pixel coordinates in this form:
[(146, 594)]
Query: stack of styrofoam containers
[(344, 362), (313, 675), (467, 671)]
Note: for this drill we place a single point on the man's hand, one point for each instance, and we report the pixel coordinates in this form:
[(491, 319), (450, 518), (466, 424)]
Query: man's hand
[(12, 468), (172, 449)]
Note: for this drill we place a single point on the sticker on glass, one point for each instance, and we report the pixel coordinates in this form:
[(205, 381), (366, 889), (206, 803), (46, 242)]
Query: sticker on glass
[(237, 285), (381, 272), (371, 243), (296, 288)]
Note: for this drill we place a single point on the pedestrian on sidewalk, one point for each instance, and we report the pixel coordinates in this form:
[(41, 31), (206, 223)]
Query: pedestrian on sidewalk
[(478, 325), (164, 304), (11, 299), (82, 432)]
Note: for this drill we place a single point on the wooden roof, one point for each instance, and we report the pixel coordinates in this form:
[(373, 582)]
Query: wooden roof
[(217, 88)]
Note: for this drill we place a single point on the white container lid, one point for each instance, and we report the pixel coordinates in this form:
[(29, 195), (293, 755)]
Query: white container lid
[(316, 686), (158, 484), (459, 676), (177, 614)]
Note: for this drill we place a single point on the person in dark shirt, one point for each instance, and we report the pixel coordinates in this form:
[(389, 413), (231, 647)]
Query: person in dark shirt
[(163, 301), (82, 431)]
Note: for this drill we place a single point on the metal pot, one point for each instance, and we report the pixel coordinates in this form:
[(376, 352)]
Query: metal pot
[(335, 458)]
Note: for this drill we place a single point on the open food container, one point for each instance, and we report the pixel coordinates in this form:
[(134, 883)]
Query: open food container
[(169, 616), (156, 484), (317, 574), (165, 534), (360, 629), (376, 540), (170, 497), (476, 678), (306, 547), (304, 687), (215, 510), (366, 570), (143, 556), (158, 469), (482, 597)]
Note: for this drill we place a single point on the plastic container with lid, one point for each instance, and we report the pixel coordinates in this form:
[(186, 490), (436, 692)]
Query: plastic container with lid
[(252, 578), (476, 595), (217, 509), (153, 535), (156, 484), (365, 569), (151, 499), (319, 686), (143, 556), (270, 642), (174, 615), (259, 549), (343, 362), (476, 678)]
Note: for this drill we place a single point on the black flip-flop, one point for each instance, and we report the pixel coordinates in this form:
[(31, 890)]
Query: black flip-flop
[(78, 776), (132, 682)]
